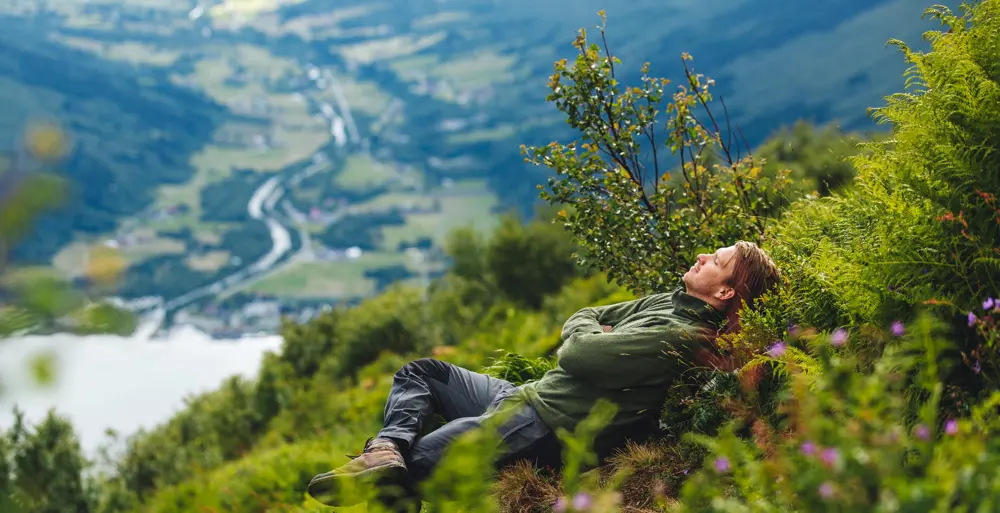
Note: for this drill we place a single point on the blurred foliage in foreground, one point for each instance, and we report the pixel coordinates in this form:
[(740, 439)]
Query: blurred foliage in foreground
[(33, 299)]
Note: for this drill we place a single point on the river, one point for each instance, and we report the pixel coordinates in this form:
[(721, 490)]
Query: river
[(123, 383), (128, 383)]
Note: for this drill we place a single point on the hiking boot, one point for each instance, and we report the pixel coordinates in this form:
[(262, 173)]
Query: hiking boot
[(380, 463)]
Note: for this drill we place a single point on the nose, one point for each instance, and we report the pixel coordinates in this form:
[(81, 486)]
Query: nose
[(701, 258)]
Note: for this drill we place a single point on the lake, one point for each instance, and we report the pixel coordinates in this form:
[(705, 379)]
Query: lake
[(121, 382)]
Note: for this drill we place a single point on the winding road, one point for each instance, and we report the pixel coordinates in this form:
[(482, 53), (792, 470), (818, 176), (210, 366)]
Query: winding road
[(261, 207)]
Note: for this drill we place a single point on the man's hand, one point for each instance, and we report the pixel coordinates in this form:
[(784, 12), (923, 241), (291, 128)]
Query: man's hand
[(607, 329)]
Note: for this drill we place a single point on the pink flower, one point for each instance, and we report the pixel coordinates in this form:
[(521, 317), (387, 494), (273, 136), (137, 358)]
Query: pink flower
[(898, 329), (829, 457), (989, 303), (972, 318), (721, 465), (560, 505), (839, 337), (826, 490), (582, 502), (922, 432), (777, 349), (808, 448), (951, 427)]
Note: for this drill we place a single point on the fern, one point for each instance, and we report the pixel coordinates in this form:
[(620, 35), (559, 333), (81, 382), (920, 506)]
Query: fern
[(517, 369)]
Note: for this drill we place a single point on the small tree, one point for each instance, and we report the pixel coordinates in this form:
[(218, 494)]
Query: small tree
[(634, 219)]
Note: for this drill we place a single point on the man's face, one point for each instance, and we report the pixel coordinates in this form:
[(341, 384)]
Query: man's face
[(707, 278)]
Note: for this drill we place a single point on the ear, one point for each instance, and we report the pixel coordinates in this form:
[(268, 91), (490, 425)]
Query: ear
[(725, 293)]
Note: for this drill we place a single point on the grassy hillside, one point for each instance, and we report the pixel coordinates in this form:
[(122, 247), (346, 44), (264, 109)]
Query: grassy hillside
[(879, 377)]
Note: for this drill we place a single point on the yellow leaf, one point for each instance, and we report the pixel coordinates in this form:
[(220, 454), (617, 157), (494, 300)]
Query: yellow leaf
[(105, 265), (46, 141)]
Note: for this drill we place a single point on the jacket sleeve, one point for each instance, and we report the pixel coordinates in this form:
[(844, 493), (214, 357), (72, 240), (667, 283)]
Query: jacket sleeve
[(592, 319), (628, 358)]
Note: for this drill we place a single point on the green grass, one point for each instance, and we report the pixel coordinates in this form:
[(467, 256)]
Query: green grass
[(388, 48), (326, 279), (152, 247), (363, 97), (126, 51), (456, 212), (395, 199), (247, 8), (27, 274), (410, 66), (464, 186), (361, 172), (486, 134), (441, 18), (479, 69), (208, 262)]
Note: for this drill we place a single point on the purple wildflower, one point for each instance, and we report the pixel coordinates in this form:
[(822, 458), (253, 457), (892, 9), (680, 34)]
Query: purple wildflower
[(922, 432), (972, 318), (582, 502), (777, 349), (560, 505), (722, 464), (808, 448), (898, 329), (976, 367), (989, 303), (829, 456), (826, 490), (839, 337), (951, 427)]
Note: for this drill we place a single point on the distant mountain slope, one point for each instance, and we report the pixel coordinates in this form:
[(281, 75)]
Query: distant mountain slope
[(775, 61), (414, 105), (130, 132)]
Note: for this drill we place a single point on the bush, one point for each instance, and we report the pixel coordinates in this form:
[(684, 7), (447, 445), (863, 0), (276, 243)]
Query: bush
[(859, 442), (818, 157), (637, 222), (391, 322), (530, 262), (41, 468), (920, 225)]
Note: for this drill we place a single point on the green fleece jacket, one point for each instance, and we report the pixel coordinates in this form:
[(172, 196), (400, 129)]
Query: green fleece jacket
[(652, 343)]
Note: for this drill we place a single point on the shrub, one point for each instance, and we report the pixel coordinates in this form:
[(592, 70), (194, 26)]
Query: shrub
[(920, 225), (817, 157), (859, 442), (636, 221), (41, 468)]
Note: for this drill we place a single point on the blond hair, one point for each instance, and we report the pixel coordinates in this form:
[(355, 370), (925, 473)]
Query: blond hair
[(754, 273)]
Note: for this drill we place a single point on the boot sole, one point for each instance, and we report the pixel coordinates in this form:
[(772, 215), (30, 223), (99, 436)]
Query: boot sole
[(338, 490)]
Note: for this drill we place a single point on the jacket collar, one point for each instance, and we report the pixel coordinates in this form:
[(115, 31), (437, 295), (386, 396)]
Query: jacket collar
[(696, 310)]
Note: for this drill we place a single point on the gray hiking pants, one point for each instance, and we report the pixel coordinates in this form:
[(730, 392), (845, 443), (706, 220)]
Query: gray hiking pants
[(466, 399)]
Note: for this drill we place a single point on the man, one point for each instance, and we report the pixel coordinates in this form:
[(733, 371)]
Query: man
[(629, 353)]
